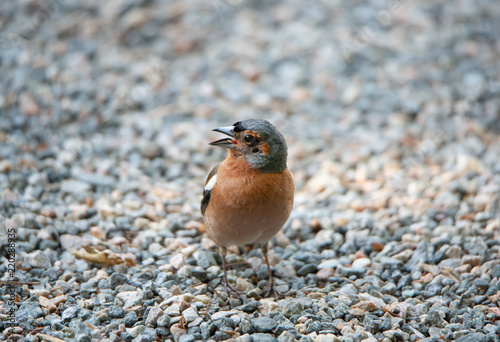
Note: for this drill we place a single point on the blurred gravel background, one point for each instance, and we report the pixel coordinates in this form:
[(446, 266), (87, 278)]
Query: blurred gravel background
[(391, 113)]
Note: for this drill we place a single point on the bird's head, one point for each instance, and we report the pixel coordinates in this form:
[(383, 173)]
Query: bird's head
[(261, 144)]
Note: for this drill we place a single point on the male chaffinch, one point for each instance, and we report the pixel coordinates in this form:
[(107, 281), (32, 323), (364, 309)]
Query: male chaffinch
[(249, 196)]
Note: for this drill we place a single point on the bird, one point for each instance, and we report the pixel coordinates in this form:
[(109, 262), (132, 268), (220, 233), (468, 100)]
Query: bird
[(248, 197)]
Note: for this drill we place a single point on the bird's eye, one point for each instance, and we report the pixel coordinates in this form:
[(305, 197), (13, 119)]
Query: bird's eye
[(249, 138), (255, 150)]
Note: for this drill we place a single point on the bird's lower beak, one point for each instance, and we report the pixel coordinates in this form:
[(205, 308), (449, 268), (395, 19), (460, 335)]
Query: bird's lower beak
[(226, 142)]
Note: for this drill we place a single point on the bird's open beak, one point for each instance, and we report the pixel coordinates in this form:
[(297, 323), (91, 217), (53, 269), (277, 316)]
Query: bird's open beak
[(226, 142)]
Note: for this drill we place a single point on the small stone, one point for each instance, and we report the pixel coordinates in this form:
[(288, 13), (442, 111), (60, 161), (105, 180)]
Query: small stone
[(306, 269), (116, 312), (135, 331), (267, 306), (473, 337), (361, 263), (249, 307), (96, 179), (200, 274), (263, 337), (177, 331), (83, 338), (130, 319), (173, 310), (5, 166), (72, 242), (220, 314), (128, 295), (325, 273), (474, 319), (389, 288), (473, 260), (38, 259), (48, 212), (243, 286), (333, 338), (28, 104), (202, 298), (403, 256), (177, 261), (330, 263), (163, 321), (244, 338), (116, 279), (189, 315), (154, 314), (206, 259), (187, 338), (70, 313), (293, 307), (263, 324), (286, 336), (75, 187), (147, 335), (176, 290)]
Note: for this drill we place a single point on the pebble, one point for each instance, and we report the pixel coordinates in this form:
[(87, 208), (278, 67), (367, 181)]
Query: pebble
[(189, 315), (361, 263), (75, 187), (153, 316), (293, 307), (38, 259), (263, 324)]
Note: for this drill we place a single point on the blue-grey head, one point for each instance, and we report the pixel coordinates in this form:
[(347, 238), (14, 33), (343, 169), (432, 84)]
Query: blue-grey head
[(258, 141)]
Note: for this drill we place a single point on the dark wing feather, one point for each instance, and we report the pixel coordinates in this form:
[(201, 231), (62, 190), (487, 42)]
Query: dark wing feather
[(208, 193)]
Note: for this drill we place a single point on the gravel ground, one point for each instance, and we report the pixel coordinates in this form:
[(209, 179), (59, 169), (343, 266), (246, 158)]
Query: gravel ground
[(391, 112)]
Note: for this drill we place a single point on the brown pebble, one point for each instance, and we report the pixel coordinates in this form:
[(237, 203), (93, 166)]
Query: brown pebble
[(28, 104), (377, 246), (325, 273), (340, 221), (473, 260), (366, 305), (316, 225), (48, 212), (98, 232)]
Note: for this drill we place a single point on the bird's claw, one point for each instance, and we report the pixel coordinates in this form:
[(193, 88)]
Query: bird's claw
[(231, 291), (271, 290)]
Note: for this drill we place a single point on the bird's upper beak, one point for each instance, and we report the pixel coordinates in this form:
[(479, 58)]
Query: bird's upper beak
[(226, 142)]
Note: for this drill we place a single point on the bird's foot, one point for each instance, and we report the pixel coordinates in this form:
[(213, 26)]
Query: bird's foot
[(230, 291), (271, 290)]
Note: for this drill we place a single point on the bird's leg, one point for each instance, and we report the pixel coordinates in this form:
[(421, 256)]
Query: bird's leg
[(229, 289), (271, 289)]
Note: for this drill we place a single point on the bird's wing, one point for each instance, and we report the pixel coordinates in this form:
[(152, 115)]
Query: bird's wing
[(207, 191)]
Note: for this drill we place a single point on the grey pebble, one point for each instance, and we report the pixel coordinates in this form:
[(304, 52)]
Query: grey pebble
[(187, 338), (96, 179), (473, 337), (206, 259), (147, 335), (306, 269), (164, 321), (130, 319), (264, 337), (292, 307), (70, 313), (116, 279), (75, 187), (263, 324), (116, 312)]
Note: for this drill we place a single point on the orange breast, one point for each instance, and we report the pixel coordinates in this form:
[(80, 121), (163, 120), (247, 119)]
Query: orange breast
[(246, 205)]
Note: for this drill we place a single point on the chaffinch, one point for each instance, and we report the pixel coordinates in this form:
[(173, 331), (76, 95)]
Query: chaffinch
[(249, 196)]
